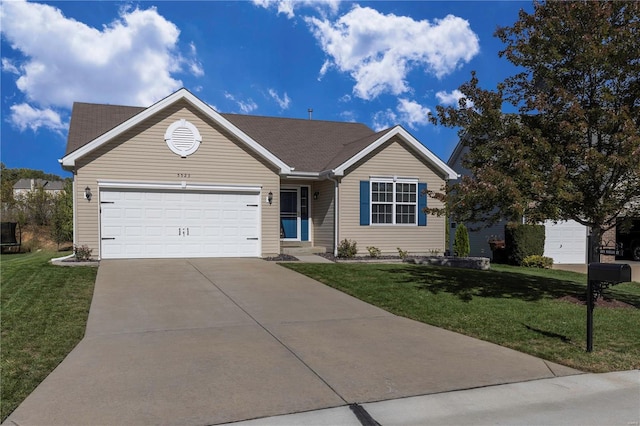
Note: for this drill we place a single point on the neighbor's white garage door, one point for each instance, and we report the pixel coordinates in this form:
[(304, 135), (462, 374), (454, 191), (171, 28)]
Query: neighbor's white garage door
[(565, 242), (163, 224)]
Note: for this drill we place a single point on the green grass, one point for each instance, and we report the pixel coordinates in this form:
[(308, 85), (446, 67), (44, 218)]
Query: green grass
[(513, 307), (44, 312)]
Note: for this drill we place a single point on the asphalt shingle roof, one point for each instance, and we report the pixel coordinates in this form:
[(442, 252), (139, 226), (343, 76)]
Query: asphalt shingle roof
[(306, 145), (88, 121)]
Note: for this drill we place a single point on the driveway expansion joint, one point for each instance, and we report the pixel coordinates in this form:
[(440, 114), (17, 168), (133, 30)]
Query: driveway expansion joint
[(290, 350), (363, 416), (320, 321)]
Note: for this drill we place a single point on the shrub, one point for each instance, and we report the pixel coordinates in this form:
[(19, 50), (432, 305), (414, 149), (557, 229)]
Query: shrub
[(374, 252), (535, 261), (402, 253), (82, 253), (347, 249), (522, 241), (461, 245)]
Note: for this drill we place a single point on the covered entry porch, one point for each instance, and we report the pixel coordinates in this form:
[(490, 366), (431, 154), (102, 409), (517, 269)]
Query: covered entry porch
[(306, 216)]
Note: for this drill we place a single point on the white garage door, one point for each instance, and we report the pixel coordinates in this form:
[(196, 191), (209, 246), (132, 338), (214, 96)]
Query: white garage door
[(565, 242), (163, 223)]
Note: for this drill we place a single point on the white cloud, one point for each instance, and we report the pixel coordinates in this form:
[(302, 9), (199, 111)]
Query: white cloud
[(412, 113), (407, 112), (24, 116), (246, 106), (130, 61), (349, 116), (9, 66), (287, 7), (283, 102), (384, 119), (194, 64), (378, 50), (452, 98)]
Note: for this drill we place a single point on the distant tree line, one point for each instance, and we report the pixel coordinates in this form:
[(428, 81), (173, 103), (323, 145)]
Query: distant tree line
[(38, 207)]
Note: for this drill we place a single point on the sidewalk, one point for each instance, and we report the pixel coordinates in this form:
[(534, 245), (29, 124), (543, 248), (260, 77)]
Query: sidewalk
[(586, 399)]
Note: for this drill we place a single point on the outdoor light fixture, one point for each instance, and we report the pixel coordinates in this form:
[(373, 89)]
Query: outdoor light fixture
[(87, 193), (315, 195), (270, 197)]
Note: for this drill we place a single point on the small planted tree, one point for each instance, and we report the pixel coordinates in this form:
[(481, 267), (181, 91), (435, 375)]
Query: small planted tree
[(461, 245), (62, 217)]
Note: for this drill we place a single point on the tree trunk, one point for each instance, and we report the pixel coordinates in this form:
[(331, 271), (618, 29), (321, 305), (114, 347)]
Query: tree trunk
[(595, 240)]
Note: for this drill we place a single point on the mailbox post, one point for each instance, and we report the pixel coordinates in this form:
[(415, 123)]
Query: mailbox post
[(599, 277)]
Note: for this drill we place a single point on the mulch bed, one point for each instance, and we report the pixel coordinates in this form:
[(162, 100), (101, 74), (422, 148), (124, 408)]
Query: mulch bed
[(600, 302), (333, 258), (281, 258)]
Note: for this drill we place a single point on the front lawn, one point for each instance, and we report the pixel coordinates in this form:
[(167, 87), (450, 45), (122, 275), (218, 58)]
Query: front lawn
[(520, 308), (44, 313)]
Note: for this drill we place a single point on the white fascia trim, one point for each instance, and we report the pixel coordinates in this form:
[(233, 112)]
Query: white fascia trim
[(183, 186), (407, 137), (69, 160), (302, 175), (388, 178)]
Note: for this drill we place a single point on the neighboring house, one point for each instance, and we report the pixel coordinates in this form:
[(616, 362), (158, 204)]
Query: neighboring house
[(565, 241), (24, 186), (178, 179)]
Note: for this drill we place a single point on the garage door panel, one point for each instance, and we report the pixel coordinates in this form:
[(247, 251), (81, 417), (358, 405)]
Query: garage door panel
[(133, 231), (565, 242), (133, 196), (154, 231), (192, 213), (133, 213), (153, 213), (156, 223)]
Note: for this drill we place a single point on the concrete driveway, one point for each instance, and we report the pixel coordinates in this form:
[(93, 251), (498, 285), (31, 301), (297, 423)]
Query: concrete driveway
[(207, 341)]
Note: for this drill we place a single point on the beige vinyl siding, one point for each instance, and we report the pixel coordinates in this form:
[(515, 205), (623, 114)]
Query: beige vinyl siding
[(142, 155), (394, 158), (323, 215)]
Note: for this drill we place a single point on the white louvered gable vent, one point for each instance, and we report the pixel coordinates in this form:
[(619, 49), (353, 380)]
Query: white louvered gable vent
[(183, 138)]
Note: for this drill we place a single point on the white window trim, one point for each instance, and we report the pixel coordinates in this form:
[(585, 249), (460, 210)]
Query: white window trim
[(394, 203)]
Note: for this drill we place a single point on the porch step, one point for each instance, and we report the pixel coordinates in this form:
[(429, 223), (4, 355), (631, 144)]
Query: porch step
[(301, 250), (295, 244)]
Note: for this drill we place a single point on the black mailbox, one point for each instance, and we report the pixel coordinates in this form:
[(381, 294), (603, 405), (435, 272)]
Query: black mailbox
[(610, 272)]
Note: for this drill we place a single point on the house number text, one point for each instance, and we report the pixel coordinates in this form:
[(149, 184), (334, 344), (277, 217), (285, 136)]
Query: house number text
[(184, 175)]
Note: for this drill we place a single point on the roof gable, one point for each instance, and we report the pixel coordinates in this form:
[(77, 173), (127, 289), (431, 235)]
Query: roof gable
[(69, 159), (303, 146), (382, 137)]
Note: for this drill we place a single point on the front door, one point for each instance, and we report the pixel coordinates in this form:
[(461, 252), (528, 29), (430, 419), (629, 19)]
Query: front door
[(294, 213)]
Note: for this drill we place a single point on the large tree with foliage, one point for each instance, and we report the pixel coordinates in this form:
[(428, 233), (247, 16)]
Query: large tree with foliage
[(572, 149)]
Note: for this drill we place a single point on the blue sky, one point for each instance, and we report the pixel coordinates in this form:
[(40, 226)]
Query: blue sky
[(380, 63)]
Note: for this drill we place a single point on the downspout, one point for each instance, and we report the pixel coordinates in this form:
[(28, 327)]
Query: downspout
[(75, 211), (336, 194)]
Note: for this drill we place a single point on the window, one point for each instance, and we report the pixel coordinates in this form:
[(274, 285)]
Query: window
[(394, 203)]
